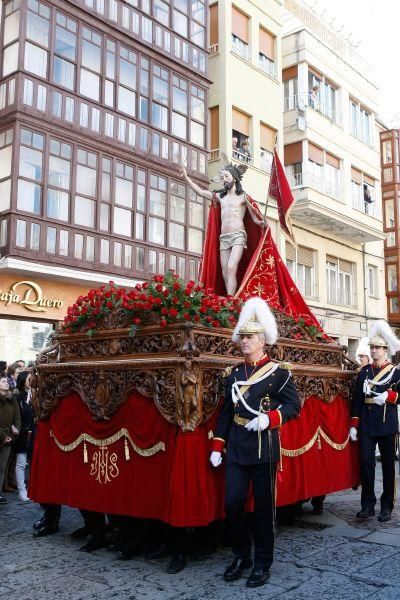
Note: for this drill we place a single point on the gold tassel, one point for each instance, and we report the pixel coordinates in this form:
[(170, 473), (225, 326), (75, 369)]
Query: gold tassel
[(85, 454), (127, 455)]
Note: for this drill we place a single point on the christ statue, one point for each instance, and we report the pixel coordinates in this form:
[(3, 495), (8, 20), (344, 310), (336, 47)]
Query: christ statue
[(234, 204)]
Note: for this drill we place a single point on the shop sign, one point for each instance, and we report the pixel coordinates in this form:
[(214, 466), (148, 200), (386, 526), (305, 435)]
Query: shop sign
[(29, 295)]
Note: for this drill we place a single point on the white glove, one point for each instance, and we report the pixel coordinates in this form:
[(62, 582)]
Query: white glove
[(258, 423), (380, 399), (353, 434), (216, 458)]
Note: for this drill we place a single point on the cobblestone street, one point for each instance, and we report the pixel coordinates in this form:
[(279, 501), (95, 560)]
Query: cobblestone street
[(328, 557)]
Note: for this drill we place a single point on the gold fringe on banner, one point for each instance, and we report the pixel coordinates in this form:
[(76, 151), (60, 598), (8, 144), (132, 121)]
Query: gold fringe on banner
[(86, 438), (315, 438)]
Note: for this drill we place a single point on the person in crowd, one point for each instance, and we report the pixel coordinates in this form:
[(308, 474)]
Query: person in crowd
[(22, 443), (10, 423), (259, 397), (235, 147), (12, 374), (3, 368), (374, 420), (313, 96), (20, 363), (245, 151)]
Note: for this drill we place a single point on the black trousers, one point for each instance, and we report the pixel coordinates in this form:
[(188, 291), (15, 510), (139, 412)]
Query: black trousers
[(386, 444), (238, 479)]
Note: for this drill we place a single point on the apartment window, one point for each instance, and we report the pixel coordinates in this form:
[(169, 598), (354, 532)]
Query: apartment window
[(360, 122), (30, 171), (180, 107), (59, 176), (389, 213), (322, 95), (391, 278), (65, 52), (213, 28), (196, 223), (197, 113), (161, 11), (240, 134), (323, 171), (240, 34), (363, 192), (180, 22), (37, 32), (11, 24), (372, 280), (6, 140), (340, 278), (301, 265), (266, 55), (290, 88), (127, 82), (267, 144), (387, 152)]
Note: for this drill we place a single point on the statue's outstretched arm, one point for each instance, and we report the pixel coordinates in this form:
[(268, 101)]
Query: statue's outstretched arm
[(196, 188)]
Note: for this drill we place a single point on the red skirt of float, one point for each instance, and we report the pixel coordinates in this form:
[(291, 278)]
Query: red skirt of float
[(138, 464)]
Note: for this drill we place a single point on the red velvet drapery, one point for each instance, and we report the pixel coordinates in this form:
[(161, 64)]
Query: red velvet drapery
[(176, 484)]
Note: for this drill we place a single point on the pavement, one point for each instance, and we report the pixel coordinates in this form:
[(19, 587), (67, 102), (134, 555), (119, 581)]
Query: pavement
[(329, 557)]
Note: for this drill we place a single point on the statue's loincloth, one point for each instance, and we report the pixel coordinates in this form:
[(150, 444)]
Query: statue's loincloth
[(233, 238)]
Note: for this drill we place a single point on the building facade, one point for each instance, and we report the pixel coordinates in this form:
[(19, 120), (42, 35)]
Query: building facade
[(100, 100), (390, 195), (245, 113), (332, 159)]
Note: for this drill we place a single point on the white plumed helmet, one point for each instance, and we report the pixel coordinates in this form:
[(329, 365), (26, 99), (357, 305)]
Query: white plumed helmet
[(256, 317), (382, 335)]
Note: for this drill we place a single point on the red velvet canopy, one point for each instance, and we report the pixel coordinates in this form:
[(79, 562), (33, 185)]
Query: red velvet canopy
[(261, 271)]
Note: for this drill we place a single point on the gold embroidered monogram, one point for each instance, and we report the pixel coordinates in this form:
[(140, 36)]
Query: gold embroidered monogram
[(104, 465)]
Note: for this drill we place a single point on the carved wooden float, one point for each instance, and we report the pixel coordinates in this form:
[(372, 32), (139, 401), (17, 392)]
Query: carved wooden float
[(179, 366)]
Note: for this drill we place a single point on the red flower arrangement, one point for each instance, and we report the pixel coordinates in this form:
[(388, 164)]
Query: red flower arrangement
[(166, 299), (307, 328)]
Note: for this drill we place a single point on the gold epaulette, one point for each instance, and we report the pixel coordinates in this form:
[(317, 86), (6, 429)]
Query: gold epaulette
[(227, 372), (286, 365)]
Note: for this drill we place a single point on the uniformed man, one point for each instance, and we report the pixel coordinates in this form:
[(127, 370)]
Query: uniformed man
[(260, 397), (374, 420)]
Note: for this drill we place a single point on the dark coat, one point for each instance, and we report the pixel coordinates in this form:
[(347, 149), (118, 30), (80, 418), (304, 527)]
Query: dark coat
[(375, 420), (26, 412), (9, 415), (241, 444)]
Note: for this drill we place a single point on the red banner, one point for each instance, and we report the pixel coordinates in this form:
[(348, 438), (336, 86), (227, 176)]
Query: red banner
[(279, 189)]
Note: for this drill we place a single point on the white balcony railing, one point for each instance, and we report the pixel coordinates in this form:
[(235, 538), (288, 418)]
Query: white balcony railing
[(320, 184), (302, 101), (240, 48), (342, 297), (213, 49), (214, 154), (369, 208), (236, 154), (267, 66)]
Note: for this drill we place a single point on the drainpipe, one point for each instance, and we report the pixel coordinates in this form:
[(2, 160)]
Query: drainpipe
[(365, 285)]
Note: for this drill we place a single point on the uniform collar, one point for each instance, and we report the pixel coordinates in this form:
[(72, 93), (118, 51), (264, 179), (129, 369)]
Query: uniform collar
[(380, 367), (258, 363)]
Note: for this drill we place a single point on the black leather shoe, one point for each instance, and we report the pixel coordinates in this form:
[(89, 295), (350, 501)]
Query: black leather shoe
[(236, 568), (178, 563), (81, 533), (127, 552), (385, 515), (38, 524), (159, 552), (45, 529), (365, 513), (94, 544), (258, 577)]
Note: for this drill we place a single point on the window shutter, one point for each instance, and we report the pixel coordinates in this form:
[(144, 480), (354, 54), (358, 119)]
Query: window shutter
[(345, 266), (290, 251), (331, 259), (356, 175), (332, 160), (214, 128), (267, 138), (369, 180), (315, 154), (214, 24), (293, 153), (305, 256), (289, 73), (267, 44), (240, 122), (240, 25)]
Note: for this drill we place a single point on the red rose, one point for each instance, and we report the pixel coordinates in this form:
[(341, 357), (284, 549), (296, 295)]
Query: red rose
[(190, 284), (163, 323), (196, 318), (164, 311), (175, 300), (187, 304), (166, 293), (186, 316), (173, 312), (203, 310), (159, 287), (138, 286), (145, 285), (136, 321), (215, 323), (176, 285)]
